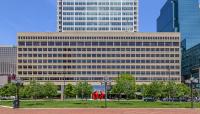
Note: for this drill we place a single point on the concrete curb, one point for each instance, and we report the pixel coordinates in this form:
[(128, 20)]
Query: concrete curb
[(114, 108)]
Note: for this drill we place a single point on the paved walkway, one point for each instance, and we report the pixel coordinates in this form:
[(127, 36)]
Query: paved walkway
[(98, 111)]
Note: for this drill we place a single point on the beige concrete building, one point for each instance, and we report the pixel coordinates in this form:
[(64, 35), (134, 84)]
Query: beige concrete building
[(70, 57)]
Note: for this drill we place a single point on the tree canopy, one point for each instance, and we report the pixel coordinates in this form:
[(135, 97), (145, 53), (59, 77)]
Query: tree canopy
[(125, 84), (50, 90), (83, 90), (70, 91)]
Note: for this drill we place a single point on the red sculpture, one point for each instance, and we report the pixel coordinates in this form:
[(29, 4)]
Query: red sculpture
[(98, 95)]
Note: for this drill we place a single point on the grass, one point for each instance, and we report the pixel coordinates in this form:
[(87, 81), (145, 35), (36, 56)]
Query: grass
[(98, 104)]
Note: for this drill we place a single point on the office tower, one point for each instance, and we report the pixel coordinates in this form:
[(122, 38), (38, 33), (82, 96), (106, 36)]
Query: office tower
[(97, 15), (91, 56), (8, 59), (181, 16), (191, 63)]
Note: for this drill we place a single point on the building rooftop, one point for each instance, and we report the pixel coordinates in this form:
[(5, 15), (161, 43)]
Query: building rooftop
[(7, 46), (98, 33)]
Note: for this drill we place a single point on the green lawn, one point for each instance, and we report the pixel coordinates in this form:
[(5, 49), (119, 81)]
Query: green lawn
[(99, 104)]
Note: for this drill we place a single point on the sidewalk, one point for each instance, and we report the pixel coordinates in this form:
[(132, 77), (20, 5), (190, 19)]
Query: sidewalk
[(98, 111)]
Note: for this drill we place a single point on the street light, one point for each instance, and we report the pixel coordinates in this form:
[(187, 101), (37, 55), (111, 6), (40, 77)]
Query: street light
[(106, 80), (64, 72), (169, 82), (64, 87), (192, 81), (16, 102)]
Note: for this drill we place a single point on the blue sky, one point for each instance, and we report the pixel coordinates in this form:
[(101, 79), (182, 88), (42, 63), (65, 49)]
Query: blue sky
[(40, 16)]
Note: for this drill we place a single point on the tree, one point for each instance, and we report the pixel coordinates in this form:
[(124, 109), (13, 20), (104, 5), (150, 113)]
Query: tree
[(36, 90), (8, 90), (116, 89), (140, 89), (182, 90), (196, 92), (69, 91), (129, 85), (3, 91), (125, 84), (163, 90), (155, 89), (25, 91), (174, 90), (50, 90), (83, 90), (170, 89)]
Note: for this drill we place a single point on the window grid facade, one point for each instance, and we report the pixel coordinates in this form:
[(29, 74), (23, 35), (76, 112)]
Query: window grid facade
[(181, 16), (8, 55), (191, 61), (97, 15), (75, 56)]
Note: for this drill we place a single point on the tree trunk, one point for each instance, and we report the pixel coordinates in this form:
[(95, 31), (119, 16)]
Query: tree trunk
[(118, 96), (126, 96)]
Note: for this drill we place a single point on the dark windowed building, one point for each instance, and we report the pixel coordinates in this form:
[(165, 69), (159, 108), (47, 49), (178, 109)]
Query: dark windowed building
[(181, 16), (191, 63)]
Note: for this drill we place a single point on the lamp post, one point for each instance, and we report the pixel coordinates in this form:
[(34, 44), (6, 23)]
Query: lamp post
[(16, 103), (105, 93), (64, 87), (106, 80), (192, 81), (64, 83), (169, 83)]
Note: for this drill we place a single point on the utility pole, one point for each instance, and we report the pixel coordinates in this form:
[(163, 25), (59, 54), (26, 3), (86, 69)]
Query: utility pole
[(169, 74), (192, 100), (106, 80), (169, 83), (192, 81), (64, 87), (105, 93), (16, 102)]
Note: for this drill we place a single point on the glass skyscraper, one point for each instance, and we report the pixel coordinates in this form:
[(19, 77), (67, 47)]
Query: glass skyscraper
[(181, 16), (191, 62), (97, 15)]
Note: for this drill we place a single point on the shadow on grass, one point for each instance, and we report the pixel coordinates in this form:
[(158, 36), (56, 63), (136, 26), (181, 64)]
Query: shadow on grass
[(85, 103), (167, 104), (78, 103), (125, 103), (33, 104)]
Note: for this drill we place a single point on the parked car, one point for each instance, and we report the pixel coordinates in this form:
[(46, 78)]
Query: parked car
[(184, 99), (174, 100), (197, 99), (149, 99), (7, 98), (166, 99)]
